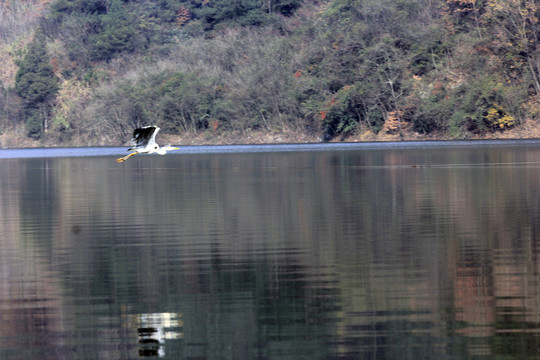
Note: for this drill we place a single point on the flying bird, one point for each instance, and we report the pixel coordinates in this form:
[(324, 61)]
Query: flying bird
[(144, 141)]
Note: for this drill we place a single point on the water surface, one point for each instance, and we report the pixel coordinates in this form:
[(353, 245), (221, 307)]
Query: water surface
[(370, 251)]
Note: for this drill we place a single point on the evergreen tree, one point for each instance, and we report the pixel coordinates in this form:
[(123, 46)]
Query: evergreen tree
[(36, 84)]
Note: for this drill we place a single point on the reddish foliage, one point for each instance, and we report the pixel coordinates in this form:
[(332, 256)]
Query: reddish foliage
[(182, 16)]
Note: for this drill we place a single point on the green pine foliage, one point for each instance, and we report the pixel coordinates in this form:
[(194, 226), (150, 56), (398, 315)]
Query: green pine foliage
[(37, 85), (35, 80)]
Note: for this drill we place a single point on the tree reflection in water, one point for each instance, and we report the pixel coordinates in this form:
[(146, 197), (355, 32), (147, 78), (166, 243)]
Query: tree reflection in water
[(272, 255)]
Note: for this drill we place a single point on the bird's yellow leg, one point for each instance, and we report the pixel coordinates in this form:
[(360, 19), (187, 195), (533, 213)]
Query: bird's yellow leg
[(122, 159)]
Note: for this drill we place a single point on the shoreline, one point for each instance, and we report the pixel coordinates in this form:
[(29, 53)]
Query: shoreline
[(99, 151), (16, 139)]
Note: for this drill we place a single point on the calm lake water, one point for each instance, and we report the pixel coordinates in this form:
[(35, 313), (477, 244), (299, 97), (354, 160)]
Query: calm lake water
[(370, 251)]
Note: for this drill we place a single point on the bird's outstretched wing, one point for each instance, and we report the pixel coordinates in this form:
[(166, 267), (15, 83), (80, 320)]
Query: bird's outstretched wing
[(142, 136)]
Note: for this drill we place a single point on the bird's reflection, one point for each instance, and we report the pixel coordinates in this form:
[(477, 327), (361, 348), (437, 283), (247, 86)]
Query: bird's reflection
[(154, 329), (150, 346)]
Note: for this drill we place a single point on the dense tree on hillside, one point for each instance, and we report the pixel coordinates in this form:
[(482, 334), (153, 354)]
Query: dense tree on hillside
[(516, 28), (94, 30), (99, 30), (458, 68), (367, 51), (243, 12), (37, 85)]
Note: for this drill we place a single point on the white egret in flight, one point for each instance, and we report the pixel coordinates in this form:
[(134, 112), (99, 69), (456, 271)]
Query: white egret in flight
[(144, 141)]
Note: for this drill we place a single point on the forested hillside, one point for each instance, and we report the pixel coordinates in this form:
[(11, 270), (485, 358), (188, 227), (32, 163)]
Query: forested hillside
[(86, 72)]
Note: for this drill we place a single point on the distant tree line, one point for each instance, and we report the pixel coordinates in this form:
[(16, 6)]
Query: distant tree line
[(452, 67)]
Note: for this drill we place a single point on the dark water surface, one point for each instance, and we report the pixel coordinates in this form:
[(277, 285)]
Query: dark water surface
[(354, 252)]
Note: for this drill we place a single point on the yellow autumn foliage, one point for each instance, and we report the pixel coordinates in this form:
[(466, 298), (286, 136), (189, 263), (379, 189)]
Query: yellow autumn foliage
[(394, 121), (498, 118)]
